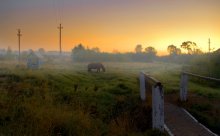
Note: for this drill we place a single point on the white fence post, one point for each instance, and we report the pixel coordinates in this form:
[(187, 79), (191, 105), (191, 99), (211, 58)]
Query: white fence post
[(158, 107), (142, 86), (183, 87)]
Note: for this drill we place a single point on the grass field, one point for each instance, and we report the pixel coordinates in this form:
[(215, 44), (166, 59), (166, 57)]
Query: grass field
[(64, 99)]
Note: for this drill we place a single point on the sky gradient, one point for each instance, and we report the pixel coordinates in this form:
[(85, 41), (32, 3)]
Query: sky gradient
[(110, 24)]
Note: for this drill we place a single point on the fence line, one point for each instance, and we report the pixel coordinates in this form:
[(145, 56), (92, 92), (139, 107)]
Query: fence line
[(184, 83), (157, 99), (203, 77)]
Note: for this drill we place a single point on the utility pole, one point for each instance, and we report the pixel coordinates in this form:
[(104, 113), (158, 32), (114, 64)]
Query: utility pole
[(60, 28), (209, 42), (209, 69), (19, 44)]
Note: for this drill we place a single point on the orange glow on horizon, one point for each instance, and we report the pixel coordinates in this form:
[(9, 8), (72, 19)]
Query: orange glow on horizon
[(112, 25)]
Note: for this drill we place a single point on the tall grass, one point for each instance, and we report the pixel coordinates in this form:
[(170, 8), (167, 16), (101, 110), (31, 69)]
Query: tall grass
[(61, 99), (53, 101)]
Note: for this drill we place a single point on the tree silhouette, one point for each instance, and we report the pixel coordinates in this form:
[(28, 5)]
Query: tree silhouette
[(189, 46), (41, 51), (9, 54), (178, 51), (151, 50), (173, 50), (138, 48), (9, 51), (82, 54), (95, 49), (217, 51), (197, 51), (78, 48)]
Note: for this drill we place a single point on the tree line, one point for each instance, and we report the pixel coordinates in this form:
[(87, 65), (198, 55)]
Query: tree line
[(189, 46), (82, 54)]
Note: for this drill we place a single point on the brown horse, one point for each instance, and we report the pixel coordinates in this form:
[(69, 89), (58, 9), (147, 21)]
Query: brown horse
[(97, 66)]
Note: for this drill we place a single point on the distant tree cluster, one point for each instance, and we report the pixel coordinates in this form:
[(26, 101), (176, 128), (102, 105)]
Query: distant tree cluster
[(176, 55), (148, 50), (9, 54), (82, 54), (206, 64), (173, 50), (189, 46)]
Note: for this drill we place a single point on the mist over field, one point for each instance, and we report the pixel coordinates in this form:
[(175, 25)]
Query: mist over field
[(109, 68), (63, 96)]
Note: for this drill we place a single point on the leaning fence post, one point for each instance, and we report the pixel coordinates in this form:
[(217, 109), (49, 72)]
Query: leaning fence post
[(158, 107), (183, 87), (142, 86)]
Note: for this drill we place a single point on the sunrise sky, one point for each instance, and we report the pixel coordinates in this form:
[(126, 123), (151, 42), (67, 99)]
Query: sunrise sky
[(110, 24)]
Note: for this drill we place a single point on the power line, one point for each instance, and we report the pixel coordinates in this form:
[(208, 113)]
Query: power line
[(58, 9)]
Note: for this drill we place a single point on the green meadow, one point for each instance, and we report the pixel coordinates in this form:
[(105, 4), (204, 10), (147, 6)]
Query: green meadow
[(65, 99)]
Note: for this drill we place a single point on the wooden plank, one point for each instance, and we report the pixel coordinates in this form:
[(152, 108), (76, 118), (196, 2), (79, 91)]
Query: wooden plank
[(158, 107), (183, 87), (142, 86), (151, 79)]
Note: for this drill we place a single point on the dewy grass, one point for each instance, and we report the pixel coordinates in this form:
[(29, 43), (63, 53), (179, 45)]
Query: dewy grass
[(67, 100)]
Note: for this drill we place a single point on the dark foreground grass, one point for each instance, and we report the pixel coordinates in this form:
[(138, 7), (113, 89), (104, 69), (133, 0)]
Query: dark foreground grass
[(71, 102)]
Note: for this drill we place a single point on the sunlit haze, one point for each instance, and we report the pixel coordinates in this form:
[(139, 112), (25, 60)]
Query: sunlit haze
[(109, 24)]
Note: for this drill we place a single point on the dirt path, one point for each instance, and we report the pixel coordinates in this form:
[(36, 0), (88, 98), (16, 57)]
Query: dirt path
[(181, 124)]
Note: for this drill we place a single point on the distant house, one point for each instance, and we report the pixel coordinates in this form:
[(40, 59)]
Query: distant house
[(34, 60)]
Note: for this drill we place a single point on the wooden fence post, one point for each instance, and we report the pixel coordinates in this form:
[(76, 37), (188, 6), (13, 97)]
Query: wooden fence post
[(142, 86), (158, 107), (183, 87)]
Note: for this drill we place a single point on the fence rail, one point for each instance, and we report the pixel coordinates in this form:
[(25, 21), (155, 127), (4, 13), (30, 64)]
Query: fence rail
[(151, 79), (203, 77), (184, 83)]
